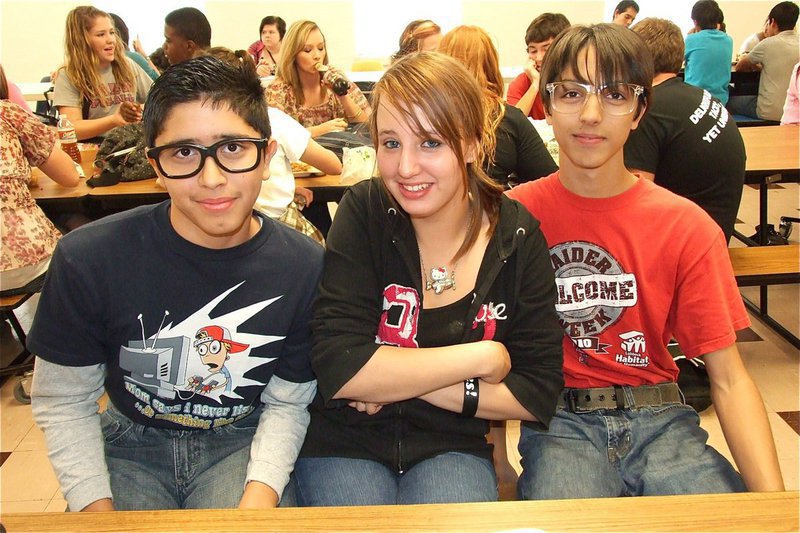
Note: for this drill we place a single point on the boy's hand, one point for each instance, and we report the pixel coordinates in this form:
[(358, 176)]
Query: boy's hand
[(131, 111), (100, 505), (532, 72), (258, 495)]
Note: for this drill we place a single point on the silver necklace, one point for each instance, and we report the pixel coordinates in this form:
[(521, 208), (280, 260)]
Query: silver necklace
[(439, 280)]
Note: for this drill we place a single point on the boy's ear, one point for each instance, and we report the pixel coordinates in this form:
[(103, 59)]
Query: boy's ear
[(269, 151), (548, 118), (641, 111)]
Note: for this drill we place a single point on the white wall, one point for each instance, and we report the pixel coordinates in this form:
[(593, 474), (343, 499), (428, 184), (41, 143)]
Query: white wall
[(32, 31)]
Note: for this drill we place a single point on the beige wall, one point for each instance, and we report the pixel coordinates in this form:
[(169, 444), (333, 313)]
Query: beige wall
[(32, 31)]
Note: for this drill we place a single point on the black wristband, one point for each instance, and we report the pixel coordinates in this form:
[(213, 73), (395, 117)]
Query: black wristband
[(471, 391)]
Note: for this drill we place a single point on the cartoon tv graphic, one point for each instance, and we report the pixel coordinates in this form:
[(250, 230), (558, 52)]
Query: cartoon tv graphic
[(159, 367), (201, 355)]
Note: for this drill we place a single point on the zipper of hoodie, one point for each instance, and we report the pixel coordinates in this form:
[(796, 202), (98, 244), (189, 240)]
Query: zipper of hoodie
[(399, 437)]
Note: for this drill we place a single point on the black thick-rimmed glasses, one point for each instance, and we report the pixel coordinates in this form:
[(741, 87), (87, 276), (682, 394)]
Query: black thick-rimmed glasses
[(617, 99), (184, 160)]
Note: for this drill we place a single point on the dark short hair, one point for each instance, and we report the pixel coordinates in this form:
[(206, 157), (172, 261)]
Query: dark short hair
[(122, 28), (784, 15), (159, 59), (665, 41), (624, 5), (191, 24), (622, 56), (269, 20), (707, 14), (206, 79), (545, 26)]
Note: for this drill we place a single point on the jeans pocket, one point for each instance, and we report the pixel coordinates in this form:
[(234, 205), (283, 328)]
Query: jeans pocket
[(675, 409), (114, 425)]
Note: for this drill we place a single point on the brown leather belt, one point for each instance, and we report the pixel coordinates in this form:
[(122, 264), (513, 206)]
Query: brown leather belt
[(587, 400)]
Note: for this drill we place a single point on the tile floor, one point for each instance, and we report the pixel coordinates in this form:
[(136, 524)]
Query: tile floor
[(27, 482)]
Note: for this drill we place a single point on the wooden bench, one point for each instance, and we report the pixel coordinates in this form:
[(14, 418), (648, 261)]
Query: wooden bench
[(763, 266)]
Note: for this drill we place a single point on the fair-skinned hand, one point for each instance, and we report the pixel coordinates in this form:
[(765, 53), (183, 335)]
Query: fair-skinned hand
[(497, 362), (366, 407), (532, 72), (137, 45), (265, 69), (130, 112), (303, 196), (332, 74), (337, 124)]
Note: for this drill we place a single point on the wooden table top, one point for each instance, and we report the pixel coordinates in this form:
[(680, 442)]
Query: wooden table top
[(765, 260), (777, 511), (772, 148)]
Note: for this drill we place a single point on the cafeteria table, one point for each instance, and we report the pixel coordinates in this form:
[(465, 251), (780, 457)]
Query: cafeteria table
[(773, 155), (750, 511)]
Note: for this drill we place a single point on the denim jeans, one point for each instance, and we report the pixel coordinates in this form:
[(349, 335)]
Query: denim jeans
[(447, 478), (743, 105), (609, 452), (154, 468)]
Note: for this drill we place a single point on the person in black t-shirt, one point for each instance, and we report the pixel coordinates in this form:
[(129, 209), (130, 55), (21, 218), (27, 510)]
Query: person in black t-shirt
[(687, 141)]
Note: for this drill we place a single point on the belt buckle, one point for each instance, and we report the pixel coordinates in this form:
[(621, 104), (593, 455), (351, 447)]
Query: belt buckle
[(572, 405)]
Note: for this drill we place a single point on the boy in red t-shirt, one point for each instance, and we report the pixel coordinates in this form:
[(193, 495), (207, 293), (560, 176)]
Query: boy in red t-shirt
[(630, 277), (523, 92)]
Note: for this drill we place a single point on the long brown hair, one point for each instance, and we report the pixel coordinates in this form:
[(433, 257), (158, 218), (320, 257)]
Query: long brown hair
[(473, 47), (81, 62), (293, 44), (440, 88)]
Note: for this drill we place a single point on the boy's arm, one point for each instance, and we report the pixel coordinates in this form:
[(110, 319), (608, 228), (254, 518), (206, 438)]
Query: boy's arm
[(276, 445), (64, 403), (744, 420)]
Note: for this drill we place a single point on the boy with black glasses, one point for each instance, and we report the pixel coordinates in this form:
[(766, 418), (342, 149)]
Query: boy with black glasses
[(635, 265), (191, 314)]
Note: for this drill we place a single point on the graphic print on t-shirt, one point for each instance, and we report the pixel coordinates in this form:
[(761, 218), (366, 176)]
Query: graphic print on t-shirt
[(593, 293), (399, 317), (201, 357)]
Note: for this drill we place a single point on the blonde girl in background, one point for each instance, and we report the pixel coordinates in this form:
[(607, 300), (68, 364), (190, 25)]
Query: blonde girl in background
[(98, 88), (300, 91)]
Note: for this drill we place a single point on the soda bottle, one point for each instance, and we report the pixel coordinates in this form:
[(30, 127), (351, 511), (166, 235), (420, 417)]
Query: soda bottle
[(69, 139), (336, 81)]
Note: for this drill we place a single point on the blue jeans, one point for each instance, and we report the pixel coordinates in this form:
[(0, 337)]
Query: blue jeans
[(447, 478), (154, 468), (609, 452), (743, 105)]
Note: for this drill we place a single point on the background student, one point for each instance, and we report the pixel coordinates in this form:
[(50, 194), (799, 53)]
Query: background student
[(709, 51), (636, 265), (523, 92), (435, 312), (625, 13), (514, 151), (303, 93), (266, 52), (98, 88), (687, 142), (28, 236), (775, 57), (187, 34)]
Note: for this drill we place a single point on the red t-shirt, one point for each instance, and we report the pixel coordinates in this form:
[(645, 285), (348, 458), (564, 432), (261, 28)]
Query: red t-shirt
[(517, 90), (633, 271)]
